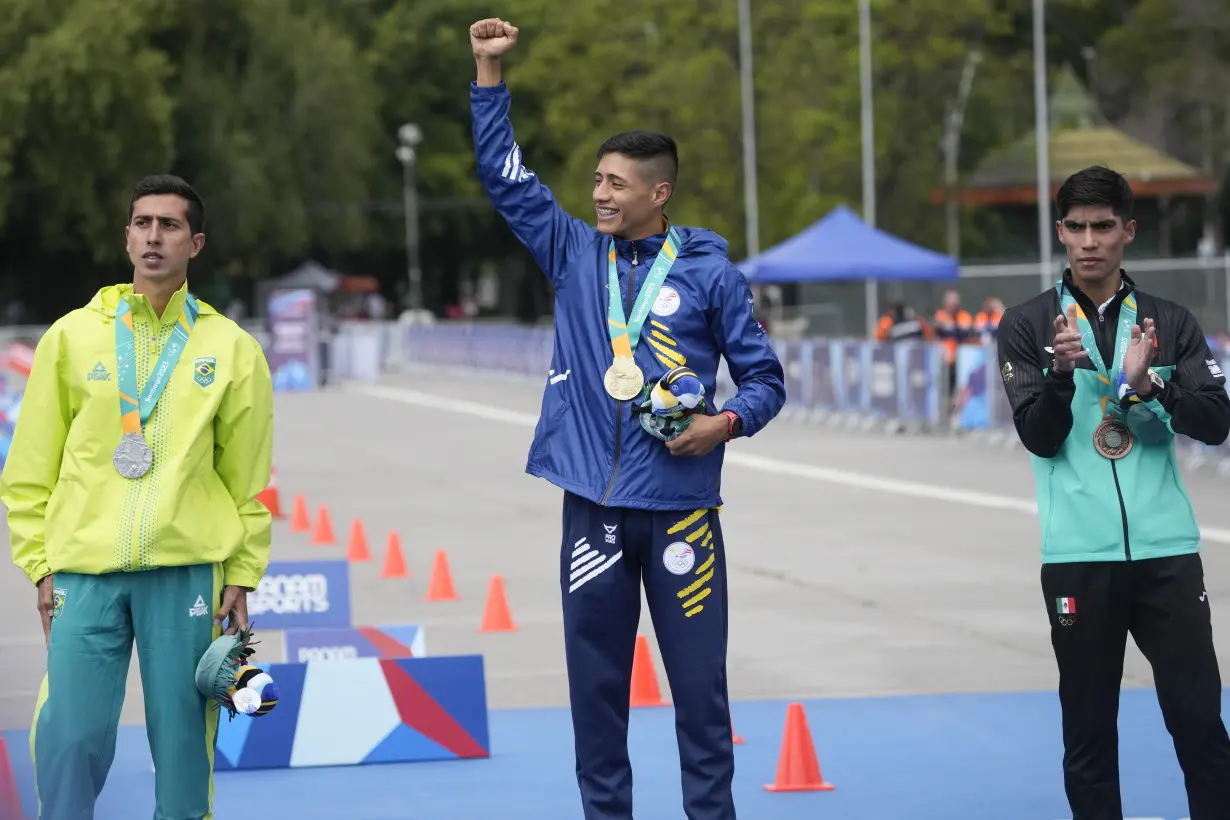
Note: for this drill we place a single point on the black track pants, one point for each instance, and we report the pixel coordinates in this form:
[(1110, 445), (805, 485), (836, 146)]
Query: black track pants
[(1163, 604)]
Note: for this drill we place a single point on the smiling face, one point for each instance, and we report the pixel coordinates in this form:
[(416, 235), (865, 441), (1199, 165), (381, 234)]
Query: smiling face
[(1095, 238), (159, 238), (629, 195)]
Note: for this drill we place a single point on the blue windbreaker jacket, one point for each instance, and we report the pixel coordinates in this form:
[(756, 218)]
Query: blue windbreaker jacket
[(585, 442)]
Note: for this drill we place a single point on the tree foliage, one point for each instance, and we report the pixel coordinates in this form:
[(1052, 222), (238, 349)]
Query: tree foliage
[(285, 114)]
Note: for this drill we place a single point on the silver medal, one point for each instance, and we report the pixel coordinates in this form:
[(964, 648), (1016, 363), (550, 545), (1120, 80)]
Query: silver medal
[(133, 456)]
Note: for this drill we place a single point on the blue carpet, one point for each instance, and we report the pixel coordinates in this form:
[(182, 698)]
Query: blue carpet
[(948, 757)]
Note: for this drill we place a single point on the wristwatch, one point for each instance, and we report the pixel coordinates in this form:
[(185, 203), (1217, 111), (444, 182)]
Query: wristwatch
[(734, 424), (1156, 385)]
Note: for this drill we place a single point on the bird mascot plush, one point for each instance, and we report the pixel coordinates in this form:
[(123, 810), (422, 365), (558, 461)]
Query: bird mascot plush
[(666, 407), (225, 676)]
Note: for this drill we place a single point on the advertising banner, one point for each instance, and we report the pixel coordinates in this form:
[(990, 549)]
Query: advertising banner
[(882, 381), (302, 594), (345, 643), (292, 353)]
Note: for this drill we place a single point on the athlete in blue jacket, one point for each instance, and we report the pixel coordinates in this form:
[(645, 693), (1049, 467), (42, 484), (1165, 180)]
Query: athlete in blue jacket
[(635, 298)]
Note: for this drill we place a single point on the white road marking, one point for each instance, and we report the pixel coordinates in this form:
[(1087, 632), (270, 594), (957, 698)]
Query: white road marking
[(828, 475)]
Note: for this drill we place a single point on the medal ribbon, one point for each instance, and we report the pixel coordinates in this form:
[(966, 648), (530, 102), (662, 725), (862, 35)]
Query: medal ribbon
[(135, 413), (1123, 337), (626, 333)]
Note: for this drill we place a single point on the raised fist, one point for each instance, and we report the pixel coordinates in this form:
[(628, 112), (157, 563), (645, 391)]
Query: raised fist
[(492, 37)]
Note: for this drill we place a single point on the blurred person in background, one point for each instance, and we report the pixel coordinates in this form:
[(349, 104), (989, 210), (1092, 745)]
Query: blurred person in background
[(635, 507), (902, 323), (952, 326), (986, 320), (130, 485), (1098, 402)]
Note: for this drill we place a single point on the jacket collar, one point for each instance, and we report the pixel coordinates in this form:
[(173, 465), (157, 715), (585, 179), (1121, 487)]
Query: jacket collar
[(646, 247), (1126, 286)]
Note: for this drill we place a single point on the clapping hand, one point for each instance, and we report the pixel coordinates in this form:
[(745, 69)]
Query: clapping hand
[(1067, 345), (1139, 356)]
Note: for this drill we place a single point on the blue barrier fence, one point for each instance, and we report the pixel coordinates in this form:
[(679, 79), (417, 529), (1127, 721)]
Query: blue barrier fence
[(905, 385)]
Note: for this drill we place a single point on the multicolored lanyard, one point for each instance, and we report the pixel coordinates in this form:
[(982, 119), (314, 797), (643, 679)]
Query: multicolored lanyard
[(626, 333), (134, 412), (1110, 379)]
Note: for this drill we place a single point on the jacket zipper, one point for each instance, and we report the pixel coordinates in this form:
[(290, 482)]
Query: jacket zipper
[(139, 491), (1114, 471), (619, 407)]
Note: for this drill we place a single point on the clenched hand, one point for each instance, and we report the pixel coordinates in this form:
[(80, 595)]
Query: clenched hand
[(492, 37)]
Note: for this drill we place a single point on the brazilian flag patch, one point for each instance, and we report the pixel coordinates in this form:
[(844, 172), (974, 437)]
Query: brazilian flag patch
[(204, 369)]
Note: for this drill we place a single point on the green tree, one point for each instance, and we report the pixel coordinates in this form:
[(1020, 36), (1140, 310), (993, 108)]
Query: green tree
[(83, 113), (1169, 63), (675, 68), (277, 122)]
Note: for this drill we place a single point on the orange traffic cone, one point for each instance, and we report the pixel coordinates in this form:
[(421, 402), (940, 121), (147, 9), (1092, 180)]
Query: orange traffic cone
[(441, 586), (394, 561), (356, 550), (497, 617), (299, 521), (798, 770), (10, 800), (324, 528), (269, 496), (645, 691)]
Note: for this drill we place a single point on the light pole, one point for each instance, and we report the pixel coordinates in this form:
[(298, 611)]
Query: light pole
[(410, 135), (870, 287), (747, 95), (1042, 153)]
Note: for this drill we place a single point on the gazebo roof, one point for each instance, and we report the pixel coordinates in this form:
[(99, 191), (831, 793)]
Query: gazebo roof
[(1080, 136)]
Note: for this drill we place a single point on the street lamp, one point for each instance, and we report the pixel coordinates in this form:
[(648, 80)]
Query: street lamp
[(410, 135)]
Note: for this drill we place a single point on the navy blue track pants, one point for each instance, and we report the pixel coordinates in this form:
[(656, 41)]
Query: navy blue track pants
[(607, 552)]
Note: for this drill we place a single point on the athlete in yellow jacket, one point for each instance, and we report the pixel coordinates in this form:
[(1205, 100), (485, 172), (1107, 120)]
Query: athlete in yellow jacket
[(144, 437)]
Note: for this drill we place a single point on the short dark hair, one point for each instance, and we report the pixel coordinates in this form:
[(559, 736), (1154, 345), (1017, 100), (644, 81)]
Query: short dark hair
[(158, 184), (1097, 185), (649, 147)]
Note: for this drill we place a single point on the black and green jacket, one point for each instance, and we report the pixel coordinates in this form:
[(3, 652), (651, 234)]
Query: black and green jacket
[(1092, 508)]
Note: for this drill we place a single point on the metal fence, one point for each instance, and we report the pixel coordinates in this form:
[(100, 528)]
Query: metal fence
[(901, 388)]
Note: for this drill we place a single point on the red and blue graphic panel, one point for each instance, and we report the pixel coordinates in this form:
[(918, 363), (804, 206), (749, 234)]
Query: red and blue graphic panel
[(342, 643), (366, 710)]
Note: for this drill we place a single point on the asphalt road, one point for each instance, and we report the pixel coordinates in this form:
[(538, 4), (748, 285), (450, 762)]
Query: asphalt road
[(859, 563)]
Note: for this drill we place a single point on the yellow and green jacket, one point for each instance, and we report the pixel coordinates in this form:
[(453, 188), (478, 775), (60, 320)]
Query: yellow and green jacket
[(211, 434)]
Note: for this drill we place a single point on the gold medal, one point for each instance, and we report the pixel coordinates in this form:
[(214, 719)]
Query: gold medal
[(624, 380), (1112, 439)]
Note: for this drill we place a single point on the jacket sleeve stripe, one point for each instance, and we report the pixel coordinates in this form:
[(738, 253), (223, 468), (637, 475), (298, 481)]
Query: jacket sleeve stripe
[(526, 204)]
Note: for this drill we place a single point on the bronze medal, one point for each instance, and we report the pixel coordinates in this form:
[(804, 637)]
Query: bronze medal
[(1112, 439)]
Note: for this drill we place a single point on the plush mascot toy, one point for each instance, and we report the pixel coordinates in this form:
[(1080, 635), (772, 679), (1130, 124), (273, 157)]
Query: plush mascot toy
[(666, 408), (225, 676)]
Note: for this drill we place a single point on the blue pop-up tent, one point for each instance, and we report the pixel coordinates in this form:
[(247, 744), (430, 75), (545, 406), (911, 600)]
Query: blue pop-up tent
[(841, 246)]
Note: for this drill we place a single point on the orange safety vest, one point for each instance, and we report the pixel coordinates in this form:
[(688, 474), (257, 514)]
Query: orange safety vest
[(953, 331), (986, 325)]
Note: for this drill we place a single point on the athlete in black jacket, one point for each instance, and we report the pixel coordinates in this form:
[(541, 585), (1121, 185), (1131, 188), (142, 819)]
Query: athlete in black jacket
[(1097, 401)]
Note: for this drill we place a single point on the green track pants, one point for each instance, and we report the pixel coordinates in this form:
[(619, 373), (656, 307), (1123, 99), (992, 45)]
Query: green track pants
[(170, 613)]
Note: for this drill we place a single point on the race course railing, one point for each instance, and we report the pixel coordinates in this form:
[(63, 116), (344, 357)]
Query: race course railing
[(898, 387)]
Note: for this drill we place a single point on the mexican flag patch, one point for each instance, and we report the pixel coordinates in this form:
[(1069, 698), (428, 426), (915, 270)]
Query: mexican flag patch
[(1065, 606)]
